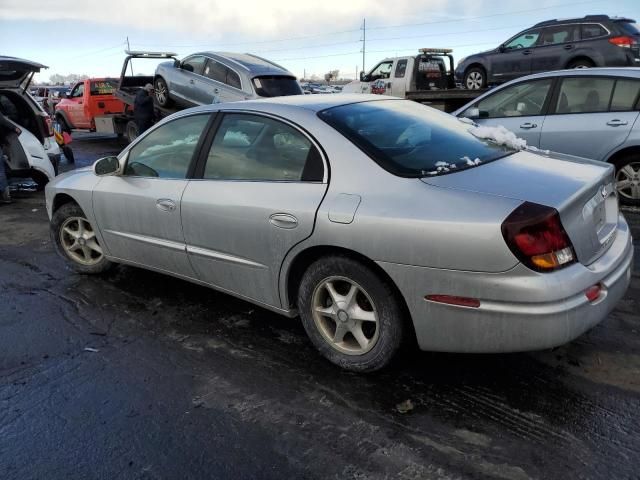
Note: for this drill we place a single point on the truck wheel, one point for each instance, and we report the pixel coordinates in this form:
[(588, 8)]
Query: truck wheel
[(475, 78), (162, 92), (131, 131), (63, 123)]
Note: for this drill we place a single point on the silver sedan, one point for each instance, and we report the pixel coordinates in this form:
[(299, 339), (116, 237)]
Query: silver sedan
[(374, 219)]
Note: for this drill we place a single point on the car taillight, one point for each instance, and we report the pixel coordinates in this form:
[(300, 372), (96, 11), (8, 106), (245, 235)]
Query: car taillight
[(624, 41), (47, 124), (535, 235)]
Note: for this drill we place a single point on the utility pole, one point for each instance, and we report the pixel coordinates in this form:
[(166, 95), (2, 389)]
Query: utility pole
[(128, 50), (364, 40)]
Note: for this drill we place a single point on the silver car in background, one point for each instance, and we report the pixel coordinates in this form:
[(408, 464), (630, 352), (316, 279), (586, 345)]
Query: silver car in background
[(215, 77), (372, 218), (590, 113)]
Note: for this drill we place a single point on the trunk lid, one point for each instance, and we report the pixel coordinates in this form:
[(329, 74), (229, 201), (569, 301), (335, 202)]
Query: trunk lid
[(582, 191), (15, 71)]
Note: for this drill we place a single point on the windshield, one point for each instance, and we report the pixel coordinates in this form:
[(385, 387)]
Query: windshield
[(411, 140), (276, 86), (630, 28)]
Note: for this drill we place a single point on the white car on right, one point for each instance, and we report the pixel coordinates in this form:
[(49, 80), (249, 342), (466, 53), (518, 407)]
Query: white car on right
[(590, 113)]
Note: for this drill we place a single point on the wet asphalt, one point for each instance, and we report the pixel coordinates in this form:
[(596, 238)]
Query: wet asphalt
[(137, 375)]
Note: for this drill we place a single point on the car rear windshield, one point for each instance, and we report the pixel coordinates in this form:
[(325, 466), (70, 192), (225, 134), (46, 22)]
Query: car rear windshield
[(276, 86), (103, 87), (630, 28), (411, 140)]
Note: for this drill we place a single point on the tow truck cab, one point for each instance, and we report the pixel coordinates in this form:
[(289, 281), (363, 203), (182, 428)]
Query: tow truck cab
[(431, 69)]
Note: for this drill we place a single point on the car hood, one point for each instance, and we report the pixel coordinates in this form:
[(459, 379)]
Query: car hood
[(581, 190), (14, 71)]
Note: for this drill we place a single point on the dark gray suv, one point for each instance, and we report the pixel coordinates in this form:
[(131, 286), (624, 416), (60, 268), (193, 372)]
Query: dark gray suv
[(592, 41)]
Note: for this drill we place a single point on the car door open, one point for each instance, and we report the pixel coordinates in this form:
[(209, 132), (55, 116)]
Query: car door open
[(262, 182)]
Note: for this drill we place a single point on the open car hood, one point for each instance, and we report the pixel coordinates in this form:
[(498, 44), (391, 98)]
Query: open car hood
[(14, 71)]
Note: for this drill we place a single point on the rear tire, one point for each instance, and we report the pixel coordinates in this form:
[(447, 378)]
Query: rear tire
[(581, 63), (63, 123), (475, 78), (162, 92), (131, 131), (628, 179), (75, 240), (351, 315)]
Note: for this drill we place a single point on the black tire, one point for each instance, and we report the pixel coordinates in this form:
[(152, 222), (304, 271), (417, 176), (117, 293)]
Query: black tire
[(378, 295), (475, 78), (68, 154), (581, 63), (70, 211), (162, 92), (131, 131), (63, 123), (40, 179), (628, 168)]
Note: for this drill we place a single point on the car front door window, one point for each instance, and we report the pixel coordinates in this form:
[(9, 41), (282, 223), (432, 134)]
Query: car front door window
[(523, 99), (167, 151), (78, 91), (194, 64), (255, 148), (525, 40), (383, 70)]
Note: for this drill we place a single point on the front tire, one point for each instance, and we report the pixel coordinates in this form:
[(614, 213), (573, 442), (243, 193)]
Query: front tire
[(162, 92), (628, 179), (351, 315), (475, 78), (75, 240)]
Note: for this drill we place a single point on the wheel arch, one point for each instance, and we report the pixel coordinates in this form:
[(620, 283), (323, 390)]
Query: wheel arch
[(303, 259), (623, 152), (577, 58), (61, 199), (65, 118)]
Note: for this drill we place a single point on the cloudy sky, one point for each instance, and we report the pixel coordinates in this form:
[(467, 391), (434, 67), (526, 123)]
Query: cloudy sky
[(309, 37)]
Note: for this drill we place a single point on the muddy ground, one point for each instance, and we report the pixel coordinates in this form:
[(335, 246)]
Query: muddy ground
[(138, 375)]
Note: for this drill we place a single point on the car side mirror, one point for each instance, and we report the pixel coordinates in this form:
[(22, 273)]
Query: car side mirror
[(176, 63), (473, 112), (502, 48), (362, 76), (106, 166)]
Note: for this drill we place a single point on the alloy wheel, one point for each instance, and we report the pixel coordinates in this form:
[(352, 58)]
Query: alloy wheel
[(474, 81), (161, 92), (345, 315), (79, 241), (628, 181)]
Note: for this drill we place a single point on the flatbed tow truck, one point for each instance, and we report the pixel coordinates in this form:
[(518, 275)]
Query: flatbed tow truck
[(425, 78)]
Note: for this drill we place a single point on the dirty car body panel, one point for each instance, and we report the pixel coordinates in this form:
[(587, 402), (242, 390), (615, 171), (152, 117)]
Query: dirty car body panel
[(429, 233)]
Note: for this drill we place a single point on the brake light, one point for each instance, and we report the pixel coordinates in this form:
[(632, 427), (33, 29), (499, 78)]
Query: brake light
[(624, 41), (535, 235), (47, 124)]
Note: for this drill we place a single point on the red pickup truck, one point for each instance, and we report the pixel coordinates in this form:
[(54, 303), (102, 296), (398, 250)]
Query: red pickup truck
[(88, 101)]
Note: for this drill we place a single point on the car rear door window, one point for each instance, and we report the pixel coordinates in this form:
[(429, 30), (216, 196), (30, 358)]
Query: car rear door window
[(194, 64), (584, 95), (559, 34), (524, 40), (520, 100), (256, 148), (625, 96), (592, 30), (221, 73), (166, 152)]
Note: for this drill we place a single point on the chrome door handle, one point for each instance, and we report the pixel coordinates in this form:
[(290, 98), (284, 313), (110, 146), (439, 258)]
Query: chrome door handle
[(568, 47), (216, 90), (283, 220), (528, 125), (166, 204), (616, 123), (527, 52)]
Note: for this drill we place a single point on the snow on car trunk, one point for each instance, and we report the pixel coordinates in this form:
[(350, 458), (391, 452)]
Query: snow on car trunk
[(583, 192)]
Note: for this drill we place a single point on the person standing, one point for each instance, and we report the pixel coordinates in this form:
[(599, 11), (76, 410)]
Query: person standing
[(143, 108), (5, 127)]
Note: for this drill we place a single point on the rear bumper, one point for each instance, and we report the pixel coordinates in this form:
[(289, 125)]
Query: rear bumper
[(520, 309)]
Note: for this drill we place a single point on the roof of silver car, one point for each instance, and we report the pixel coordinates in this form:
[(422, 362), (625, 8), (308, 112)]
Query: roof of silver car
[(598, 71), (251, 63), (314, 103)]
